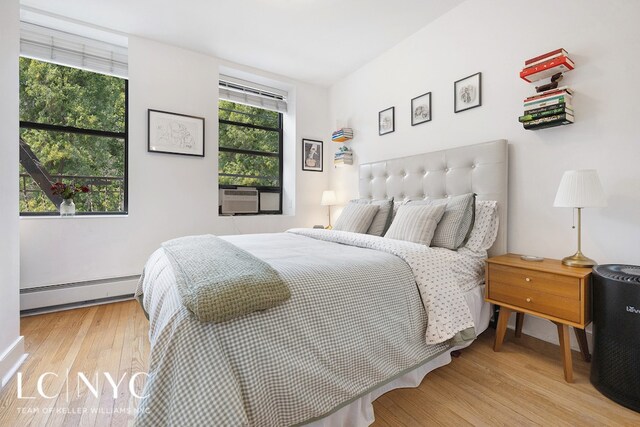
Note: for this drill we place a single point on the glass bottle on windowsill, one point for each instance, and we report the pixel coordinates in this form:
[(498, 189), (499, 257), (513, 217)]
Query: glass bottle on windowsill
[(67, 208)]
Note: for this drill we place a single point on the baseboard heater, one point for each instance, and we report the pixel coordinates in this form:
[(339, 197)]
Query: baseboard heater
[(72, 295)]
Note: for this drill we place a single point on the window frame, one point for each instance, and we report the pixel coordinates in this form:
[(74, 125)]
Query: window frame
[(91, 132), (261, 188)]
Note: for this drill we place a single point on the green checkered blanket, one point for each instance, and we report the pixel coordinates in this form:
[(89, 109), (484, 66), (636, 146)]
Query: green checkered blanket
[(217, 281)]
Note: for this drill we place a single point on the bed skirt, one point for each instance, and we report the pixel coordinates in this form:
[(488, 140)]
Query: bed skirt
[(360, 412)]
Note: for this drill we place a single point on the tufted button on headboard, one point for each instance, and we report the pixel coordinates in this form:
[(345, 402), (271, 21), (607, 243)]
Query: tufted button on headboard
[(480, 168)]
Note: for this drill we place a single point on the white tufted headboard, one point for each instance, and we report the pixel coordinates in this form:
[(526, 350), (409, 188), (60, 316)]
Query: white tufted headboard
[(480, 168)]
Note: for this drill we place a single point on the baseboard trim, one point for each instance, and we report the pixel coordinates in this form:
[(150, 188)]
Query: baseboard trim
[(11, 360), (74, 305), (73, 295), (539, 345), (545, 330)]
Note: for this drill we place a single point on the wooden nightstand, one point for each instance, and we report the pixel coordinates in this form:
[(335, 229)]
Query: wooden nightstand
[(545, 289)]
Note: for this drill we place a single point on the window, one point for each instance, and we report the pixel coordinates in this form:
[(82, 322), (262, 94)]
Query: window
[(250, 152), (73, 115), (73, 128)]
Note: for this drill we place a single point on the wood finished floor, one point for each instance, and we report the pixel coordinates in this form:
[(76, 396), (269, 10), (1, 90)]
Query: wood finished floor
[(521, 385)]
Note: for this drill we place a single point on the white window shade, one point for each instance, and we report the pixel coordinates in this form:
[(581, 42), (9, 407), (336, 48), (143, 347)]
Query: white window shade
[(60, 47), (253, 94)]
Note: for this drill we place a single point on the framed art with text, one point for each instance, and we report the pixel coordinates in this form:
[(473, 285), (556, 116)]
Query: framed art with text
[(174, 133)]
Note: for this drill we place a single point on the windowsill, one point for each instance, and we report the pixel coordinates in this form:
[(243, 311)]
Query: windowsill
[(30, 217), (250, 215)]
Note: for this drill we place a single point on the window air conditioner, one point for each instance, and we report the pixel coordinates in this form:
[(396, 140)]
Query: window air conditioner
[(236, 201)]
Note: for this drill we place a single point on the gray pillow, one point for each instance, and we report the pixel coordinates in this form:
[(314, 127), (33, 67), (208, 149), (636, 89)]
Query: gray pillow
[(396, 205), (457, 222), (416, 223), (356, 217), (382, 220)]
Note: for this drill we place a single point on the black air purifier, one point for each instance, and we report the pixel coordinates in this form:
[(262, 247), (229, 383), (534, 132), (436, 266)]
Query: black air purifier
[(615, 370)]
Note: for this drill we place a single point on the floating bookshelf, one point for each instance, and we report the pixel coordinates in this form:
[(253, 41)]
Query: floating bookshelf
[(551, 105), (343, 157), (342, 135)]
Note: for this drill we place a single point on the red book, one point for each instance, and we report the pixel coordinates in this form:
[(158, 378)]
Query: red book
[(544, 64), (549, 55), (541, 71)]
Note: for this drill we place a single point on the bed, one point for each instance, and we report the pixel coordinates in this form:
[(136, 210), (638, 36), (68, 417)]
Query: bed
[(366, 314)]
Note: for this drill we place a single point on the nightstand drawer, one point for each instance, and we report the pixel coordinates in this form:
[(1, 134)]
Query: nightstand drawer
[(532, 299), (554, 284)]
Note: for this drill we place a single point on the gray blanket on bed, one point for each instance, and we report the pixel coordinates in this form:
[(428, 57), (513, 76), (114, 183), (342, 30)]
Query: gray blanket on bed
[(217, 281)]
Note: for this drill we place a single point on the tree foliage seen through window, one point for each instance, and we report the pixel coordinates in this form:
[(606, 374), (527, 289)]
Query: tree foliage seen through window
[(250, 140), (64, 98)]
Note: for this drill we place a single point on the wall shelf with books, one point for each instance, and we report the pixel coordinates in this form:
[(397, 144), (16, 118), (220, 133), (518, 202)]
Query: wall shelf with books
[(343, 157), (342, 135), (551, 105)]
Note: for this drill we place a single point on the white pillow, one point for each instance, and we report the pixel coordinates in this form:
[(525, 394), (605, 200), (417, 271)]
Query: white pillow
[(356, 217), (415, 223), (485, 228)]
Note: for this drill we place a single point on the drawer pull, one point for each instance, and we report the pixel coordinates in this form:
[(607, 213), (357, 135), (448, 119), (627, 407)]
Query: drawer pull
[(528, 279), (528, 299)]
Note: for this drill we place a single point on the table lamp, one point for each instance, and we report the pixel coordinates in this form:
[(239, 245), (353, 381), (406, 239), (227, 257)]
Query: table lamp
[(580, 189), (328, 199)]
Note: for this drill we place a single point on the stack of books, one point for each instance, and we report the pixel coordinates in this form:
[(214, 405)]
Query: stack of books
[(343, 158), (548, 109), (342, 135), (543, 66)]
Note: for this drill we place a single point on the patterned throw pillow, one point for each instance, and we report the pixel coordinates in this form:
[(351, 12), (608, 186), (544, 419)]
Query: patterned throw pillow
[(356, 217), (382, 220), (485, 228), (416, 223), (457, 222)]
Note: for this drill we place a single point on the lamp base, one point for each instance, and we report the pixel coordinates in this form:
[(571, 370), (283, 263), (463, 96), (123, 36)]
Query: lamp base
[(578, 260), (329, 227)]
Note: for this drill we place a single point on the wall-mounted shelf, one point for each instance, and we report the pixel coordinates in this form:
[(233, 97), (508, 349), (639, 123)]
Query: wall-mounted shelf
[(342, 135), (551, 107), (544, 66), (343, 157)]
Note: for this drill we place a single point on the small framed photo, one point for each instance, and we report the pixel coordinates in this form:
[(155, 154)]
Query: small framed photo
[(387, 121), (311, 155), (174, 133), (421, 109), (467, 93)]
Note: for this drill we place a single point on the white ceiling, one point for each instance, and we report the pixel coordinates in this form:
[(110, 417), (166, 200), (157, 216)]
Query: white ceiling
[(318, 41)]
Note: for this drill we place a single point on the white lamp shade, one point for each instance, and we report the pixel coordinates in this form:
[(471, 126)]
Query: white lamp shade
[(328, 198), (580, 189)]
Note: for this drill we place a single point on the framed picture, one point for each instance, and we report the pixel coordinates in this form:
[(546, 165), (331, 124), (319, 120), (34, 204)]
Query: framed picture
[(311, 155), (421, 109), (174, 133), (467, 93), (387, 121)]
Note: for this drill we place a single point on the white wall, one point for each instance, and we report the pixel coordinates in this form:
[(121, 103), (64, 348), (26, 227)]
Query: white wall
[(11, 344), (170, 196), (495, 37)]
